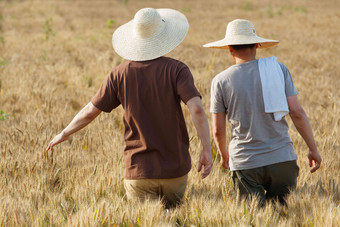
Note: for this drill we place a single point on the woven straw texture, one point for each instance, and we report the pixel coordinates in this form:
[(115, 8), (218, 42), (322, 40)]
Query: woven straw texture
[(151, 34), (241, 32)]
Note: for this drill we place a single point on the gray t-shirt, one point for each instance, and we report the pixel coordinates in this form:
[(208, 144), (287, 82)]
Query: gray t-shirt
[(256, 138)]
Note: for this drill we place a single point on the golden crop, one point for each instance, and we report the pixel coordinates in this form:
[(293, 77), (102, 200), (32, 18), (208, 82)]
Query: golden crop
[(54, 56)]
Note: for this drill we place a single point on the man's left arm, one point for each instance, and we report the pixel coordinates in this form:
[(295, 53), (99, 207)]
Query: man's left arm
[(202, 127), (301, 122)]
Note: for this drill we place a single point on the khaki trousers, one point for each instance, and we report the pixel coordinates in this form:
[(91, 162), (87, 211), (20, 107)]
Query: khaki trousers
[(170, 191)]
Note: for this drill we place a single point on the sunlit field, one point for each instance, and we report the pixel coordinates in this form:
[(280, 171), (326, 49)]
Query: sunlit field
[(53, 58)]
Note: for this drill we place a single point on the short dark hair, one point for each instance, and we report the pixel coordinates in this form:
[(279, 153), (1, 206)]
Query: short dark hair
[(243, 46)]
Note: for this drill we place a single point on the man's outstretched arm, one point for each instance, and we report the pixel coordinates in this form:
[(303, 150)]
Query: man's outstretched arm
[(304, 128), (219, 132), (202, 127), (83, 118)]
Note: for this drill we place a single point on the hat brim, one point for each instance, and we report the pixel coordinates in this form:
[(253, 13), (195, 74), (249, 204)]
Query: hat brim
[(133, 48), (242, 40)]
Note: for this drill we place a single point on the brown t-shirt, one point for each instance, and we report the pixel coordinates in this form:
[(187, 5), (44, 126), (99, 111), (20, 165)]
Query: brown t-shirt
[(156, 136)]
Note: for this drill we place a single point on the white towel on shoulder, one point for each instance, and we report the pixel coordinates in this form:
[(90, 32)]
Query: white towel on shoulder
[(273, 87)]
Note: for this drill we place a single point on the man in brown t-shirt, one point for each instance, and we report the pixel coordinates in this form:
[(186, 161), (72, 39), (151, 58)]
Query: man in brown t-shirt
[(150, 88)]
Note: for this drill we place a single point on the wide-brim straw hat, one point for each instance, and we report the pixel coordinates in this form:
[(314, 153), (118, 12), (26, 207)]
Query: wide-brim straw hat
[(241, 32), (151, 34)]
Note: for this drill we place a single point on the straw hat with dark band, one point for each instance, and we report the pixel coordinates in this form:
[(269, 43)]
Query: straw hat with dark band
[(241, 32), (151, 34)]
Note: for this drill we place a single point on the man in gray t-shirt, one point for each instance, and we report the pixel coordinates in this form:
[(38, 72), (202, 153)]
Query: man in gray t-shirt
[(256, 139), (261, 155)]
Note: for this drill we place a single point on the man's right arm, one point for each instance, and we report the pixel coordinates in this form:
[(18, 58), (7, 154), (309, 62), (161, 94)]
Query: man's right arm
[(219, 132), (83, 118), (304, 128)]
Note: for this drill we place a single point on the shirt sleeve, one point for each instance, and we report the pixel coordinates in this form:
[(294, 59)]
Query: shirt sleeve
[(216, 98), (290, 89), (106, 97), (186, 89)]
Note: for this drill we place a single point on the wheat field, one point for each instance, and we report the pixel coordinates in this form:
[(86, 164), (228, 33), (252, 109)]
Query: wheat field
[(53, 58)]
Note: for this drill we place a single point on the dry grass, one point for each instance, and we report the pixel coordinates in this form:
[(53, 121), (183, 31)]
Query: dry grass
[(53, 57)]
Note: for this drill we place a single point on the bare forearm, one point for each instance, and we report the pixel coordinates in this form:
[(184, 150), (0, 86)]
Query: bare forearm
[(83, 118), (304, 128), (202, 126), (200, 122), (219, 132), (76, 124), (221, 143)]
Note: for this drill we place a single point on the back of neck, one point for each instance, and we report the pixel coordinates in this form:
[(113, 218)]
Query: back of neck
[(243, 60), (243, 56)]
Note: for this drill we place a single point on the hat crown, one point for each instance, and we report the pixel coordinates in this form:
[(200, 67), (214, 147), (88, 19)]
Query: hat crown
[(240, 27), (241, 32), (151, 34), (147, 23)]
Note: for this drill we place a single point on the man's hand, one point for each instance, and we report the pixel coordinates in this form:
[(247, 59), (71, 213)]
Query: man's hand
[(314, 156), (56, 140), (206, 161)]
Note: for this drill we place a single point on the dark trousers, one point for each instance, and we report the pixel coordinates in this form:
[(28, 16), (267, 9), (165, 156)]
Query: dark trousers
[(268, 182)]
